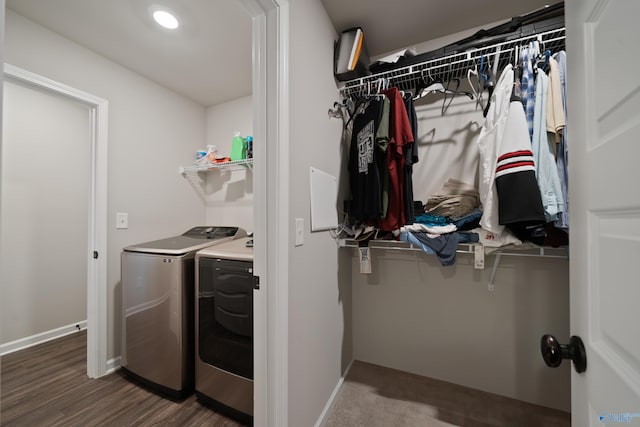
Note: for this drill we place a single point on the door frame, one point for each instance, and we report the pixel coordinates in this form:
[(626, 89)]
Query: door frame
[(271, 208), (271, 211), (97, 364)]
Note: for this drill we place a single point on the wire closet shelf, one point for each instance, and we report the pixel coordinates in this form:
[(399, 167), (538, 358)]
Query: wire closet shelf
[(453, 66)]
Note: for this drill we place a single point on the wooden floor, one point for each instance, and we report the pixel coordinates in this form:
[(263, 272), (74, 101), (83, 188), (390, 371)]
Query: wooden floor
[(47, 385)]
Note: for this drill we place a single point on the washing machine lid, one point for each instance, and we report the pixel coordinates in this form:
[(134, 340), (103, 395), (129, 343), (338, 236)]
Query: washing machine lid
[(192, 240), (234, 250)]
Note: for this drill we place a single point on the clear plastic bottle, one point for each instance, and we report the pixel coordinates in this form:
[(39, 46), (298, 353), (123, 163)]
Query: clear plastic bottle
[(238, 147), (212, 153)]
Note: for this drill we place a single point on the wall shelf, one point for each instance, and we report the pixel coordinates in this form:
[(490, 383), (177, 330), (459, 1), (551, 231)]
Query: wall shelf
[(232, 165), (196, 175), (524, 251)]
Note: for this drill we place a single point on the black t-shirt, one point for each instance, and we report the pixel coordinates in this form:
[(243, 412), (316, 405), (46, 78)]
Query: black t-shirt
[(364, 173)]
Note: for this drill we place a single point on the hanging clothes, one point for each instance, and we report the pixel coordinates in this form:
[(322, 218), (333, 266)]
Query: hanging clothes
[(562, 160), (528, 83), (382, 145), (555, 110), (518, 193), (411, 158), (364, 173), (401, 136), (508, 189), (488, 145), (546, 170)]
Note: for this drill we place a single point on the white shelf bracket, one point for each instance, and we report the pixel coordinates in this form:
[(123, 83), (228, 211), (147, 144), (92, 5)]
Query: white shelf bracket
[(496, 262)]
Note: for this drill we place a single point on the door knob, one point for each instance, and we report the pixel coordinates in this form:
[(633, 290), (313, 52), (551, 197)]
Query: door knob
[(553, 352)]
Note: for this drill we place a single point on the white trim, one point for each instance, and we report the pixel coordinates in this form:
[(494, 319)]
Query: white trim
[(279, 213), (113, 365), (96, 269), (328, 408), (271, 208), (260, 302), (42, 337)]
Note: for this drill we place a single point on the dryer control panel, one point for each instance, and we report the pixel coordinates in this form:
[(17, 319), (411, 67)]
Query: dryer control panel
[(206, 232)]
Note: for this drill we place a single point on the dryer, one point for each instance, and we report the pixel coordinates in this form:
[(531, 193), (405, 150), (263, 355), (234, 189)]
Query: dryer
[(224, 328), (157, 280)]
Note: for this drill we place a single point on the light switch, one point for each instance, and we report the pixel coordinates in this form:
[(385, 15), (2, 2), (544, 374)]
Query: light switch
[(122, 220), (299, 231)]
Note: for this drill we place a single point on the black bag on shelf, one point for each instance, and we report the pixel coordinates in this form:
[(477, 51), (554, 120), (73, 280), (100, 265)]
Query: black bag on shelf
[(350, 56)]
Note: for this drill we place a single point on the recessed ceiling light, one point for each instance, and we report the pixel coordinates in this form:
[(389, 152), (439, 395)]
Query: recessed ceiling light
[(166, 19)]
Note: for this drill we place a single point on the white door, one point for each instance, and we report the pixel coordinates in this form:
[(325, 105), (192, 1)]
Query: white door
[(603, 89)]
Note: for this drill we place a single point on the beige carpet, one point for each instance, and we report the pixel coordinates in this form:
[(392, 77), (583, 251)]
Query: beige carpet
[(374, 396)]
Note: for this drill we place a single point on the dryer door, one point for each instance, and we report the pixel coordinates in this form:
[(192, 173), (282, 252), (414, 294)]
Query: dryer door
[(225, 315)]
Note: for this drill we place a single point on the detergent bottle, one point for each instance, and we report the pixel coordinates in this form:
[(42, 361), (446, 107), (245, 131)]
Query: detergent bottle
[(238, 147)]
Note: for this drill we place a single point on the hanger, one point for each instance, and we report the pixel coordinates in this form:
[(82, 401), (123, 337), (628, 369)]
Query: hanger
[(381, 84), (447, 90), (544, 59), (453, 92), (496, 61), (423, 83), (515, 93), (341, 110), (488, 80), (427, 86), (476, 86)]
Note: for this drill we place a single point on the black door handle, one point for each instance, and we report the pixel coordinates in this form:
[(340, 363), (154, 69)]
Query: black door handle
[(553, 352)]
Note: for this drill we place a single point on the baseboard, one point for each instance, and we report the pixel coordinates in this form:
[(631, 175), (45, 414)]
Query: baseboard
[(324, 415), (113, 365), (22, 343)]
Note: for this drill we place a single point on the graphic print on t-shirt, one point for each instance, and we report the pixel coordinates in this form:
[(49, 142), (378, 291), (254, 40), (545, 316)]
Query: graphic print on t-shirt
[(365, 147)]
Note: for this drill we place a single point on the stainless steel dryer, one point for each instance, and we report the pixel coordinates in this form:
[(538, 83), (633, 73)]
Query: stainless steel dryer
[(224, 328), (157, 308)]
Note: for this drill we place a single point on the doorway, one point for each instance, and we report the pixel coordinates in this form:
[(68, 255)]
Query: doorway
[(45, 208), (53, 220)]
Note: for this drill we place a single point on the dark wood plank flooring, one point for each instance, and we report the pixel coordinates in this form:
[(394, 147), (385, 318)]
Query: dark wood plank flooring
[(47, 385)]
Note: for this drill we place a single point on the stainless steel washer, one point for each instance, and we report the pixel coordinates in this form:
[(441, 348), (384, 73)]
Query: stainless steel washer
[(157, 308), (224, 328)]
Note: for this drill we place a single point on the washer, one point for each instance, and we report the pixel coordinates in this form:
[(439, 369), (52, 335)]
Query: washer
[(224, 328), (157, 280)]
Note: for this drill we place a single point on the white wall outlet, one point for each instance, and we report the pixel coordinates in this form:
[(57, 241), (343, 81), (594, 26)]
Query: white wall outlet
[(299, 231), (122, 220)]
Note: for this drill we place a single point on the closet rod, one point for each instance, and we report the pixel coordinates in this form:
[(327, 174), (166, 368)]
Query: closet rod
[(453, 66), (524, 251)]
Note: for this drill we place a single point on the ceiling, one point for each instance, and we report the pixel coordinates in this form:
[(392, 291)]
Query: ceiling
[(392, 25), (208, 58)]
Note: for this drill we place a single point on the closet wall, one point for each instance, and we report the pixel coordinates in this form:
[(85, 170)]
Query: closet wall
[(319, 290), (229, 193), (442, 322), (152, 131)]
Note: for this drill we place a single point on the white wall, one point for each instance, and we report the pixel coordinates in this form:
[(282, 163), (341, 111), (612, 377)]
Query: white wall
[(46, 175), (414, 315), (320, 342), (152, 131), (229, 193)]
